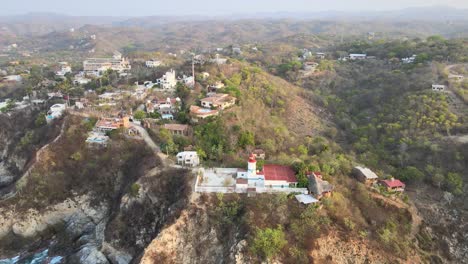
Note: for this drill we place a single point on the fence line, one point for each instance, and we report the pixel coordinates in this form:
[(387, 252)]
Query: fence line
[(212, 189)]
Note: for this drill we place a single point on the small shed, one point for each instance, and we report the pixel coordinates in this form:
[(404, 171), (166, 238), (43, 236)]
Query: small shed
[(306, 199), (393, 185), (364, 175)]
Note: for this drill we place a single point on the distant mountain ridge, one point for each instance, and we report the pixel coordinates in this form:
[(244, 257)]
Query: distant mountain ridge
[(437, 19)]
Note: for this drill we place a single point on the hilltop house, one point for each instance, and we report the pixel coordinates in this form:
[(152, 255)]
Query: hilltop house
[(201, 113), (178, 129), (438, 88), (109, 124), (188, 158), (168, 81), (364, 175), (236, 50), (409, 59), (219, 101), (55, 111), (357, 56), (271, 176), (393, 185), (214, 87), (320, 55), (153, 63), (80, 80), (204, 75), (65, 68), (187, 80), (319, 187), (306, 54), (199, 59), (310, 66), (12, 79), (218, 60), (96, 66)]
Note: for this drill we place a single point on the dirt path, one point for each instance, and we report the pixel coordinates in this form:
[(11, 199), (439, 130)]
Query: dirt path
[(11, 192)]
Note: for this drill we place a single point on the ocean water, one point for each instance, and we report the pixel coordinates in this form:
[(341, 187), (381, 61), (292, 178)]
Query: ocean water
[(37, 258)]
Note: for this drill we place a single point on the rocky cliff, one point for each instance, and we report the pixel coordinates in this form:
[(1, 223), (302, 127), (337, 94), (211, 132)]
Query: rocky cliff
[(20, 138), (193, 238), (107, 211)]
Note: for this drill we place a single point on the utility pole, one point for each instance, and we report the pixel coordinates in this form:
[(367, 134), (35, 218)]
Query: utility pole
[(193, 71)]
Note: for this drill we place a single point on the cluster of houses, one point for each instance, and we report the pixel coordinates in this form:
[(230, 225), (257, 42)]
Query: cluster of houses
[(369, 178), (165, 107), (64, 69), (98, 136), (409, 60), (272, 178), (97, 66), (168, 82), (211, 106), (307, 54)]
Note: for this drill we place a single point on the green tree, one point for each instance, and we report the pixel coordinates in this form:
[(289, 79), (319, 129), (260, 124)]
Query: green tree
[(40, 119), (410, 174), (246, 138), (455, 183), (268, 242), (139, 115)]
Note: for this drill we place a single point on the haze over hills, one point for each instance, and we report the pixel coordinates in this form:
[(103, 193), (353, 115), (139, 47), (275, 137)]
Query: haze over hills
[(43, 23)]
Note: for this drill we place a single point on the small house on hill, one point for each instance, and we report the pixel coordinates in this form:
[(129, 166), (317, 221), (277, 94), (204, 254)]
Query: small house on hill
[(188, 158), (393, 185), (178, 129), (319, 187), (365, 175), (438, 87)]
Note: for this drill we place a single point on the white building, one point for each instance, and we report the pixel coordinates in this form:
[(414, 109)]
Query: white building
[(320, 55), (168, 81), (96, 66), (55, 111), (438, 88), (356, 56), (188, 158), (65, 68), (409, 59), (188, 80), (12, 78), (218, 60), (79, 80), (153, 63)]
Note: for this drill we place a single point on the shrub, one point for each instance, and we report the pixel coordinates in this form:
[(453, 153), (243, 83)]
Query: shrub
[(134, 189), (268, 242)]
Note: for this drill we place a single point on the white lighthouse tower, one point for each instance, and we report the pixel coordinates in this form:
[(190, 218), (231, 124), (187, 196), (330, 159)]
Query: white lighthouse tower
[(251, 167)]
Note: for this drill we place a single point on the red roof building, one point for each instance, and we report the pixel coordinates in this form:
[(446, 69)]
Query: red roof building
[(279, 173), (393, 185)]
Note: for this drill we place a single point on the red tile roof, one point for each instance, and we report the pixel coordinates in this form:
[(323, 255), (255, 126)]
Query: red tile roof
[(279, 173), (393, 183)]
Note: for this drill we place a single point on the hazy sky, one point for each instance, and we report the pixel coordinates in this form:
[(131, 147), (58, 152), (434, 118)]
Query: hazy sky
[(206, 7)]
